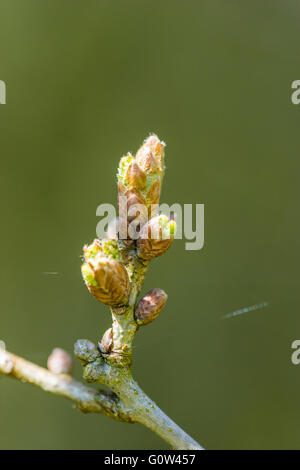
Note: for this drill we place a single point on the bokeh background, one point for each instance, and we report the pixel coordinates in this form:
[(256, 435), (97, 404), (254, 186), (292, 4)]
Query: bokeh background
[(86, 83)]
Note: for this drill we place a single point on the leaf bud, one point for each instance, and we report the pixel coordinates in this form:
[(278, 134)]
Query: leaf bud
[(150, 306), (60, 362), (150, 156), (106, 343), (85, 350), (105, 277), (156, 237), (135, 176), (139, 181)]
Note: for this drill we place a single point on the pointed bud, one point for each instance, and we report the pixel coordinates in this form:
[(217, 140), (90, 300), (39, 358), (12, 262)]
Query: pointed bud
[(156, 237), (157, 146), (106, 343), (150, 306), (135, 176), (150, 156), (60, 362), (105, 277), (139, 181), (147, 161)]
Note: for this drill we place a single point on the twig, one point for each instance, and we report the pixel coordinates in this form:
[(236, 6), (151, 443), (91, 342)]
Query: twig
[(134, 407), (114, 271), (85, 398)]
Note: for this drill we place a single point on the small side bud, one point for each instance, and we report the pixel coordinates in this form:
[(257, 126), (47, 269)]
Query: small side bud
[(150, 306), (106, 343), (85, 350), (60, 362), (156, 237), (6, 363)]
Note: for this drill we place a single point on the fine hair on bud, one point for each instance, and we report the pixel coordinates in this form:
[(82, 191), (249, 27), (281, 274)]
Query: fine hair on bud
[(139, 184), (104, 274)]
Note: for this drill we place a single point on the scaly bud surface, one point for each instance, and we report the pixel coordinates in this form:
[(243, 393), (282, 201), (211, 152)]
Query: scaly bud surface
[(105, 276), (135, 176), (105, 344), (151, 155), (156, 237), (86, 351), (139, 180), (150, 306)]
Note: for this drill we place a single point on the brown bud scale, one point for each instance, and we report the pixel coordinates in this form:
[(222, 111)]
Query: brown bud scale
[(150, 306), (106, 343), (112, 279), (135, 176), (148, 247)]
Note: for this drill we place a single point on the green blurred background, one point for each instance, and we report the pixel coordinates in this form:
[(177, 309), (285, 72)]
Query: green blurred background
[(86, 83)]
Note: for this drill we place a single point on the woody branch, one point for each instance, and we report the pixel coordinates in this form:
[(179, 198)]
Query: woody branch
[(113, 270)]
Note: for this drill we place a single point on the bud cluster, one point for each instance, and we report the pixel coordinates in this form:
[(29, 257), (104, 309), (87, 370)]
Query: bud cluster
[(139, 184), (140, 177), (109, 267)]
